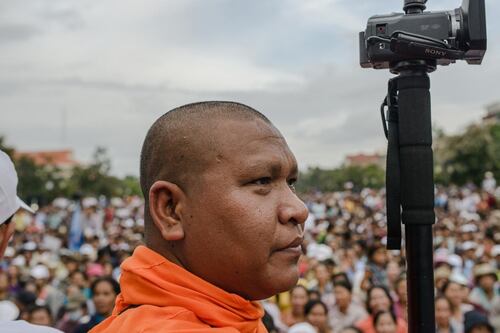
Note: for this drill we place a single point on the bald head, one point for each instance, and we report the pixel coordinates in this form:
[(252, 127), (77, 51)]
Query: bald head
[(182, 142)]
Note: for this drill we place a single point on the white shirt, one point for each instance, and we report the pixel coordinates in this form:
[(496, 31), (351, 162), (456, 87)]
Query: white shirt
[(20, 326)]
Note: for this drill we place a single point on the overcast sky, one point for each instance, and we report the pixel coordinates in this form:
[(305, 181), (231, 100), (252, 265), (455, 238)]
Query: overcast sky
[(87, 73)]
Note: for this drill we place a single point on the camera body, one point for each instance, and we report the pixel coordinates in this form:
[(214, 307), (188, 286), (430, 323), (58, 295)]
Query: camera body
[(444, 36)]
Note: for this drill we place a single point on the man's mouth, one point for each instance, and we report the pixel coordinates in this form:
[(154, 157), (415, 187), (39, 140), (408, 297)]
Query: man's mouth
[(294, 247)]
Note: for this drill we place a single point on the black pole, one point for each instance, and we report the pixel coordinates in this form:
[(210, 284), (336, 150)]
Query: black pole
[(417, 189)]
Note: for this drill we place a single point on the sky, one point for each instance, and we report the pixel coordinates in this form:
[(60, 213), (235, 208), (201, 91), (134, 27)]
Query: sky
[(88, 73)]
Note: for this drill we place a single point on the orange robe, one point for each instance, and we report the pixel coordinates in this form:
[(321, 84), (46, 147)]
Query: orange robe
[(160, 296)]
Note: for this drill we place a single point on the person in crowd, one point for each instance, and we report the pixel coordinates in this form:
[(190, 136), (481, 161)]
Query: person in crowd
[(218, 171), (379, 299), (345, 312), (317, 315), (443, 314), (477, 322), (385, 322), (10, 204), (298, 299), (74, 311), (376, 267), (24, 300), (401, 302), (486, 293), (323, 284), (453, 291), (394, 272), (104, 293), (40, 315), (315, 320)]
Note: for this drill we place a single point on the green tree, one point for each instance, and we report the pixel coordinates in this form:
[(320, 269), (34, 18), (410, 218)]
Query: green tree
[(467, 156), (334, 179)]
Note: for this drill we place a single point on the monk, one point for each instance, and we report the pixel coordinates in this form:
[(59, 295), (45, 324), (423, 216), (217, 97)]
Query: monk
[(223, 224)]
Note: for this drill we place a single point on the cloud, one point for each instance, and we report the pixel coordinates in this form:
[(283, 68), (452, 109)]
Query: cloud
[(113, 67)]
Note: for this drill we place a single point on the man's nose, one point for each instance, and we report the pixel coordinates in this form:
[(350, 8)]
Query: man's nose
[(292, 209)]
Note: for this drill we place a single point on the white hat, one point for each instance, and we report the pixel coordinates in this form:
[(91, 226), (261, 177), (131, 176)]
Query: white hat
[(459, 278), (40, 272), (468, 245), (89, 202), (29, 246), (496, 250), (455, 260), (9, 201), (8, 311), (19, 261), (469, 227), (87, 250)]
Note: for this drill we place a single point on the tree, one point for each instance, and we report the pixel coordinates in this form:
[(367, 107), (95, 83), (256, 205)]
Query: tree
[(95, 179), (467, 156), (5, 148), (334, 179)]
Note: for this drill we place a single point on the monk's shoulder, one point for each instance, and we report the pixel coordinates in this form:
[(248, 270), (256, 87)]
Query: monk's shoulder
[(149, 319)]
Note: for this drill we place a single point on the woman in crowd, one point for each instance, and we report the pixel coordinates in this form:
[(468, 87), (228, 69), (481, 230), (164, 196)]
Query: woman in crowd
[(104, 292), (40, 315), (443, 314), (377, 262), (298, 299), (323, 284), (379, 299), (316, 313), (453, 291), (316, 319), (401, 303), (385, 322)]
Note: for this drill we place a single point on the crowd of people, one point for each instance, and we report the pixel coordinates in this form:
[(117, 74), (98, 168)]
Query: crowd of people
[(63, 266)]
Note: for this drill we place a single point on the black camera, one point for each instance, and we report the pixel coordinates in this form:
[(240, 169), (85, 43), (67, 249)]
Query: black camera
[(444, 36)]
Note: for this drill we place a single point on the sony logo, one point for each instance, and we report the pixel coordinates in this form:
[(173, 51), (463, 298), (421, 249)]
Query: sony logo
[(435, 52)]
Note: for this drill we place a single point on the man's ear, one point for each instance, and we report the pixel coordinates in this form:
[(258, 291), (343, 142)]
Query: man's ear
[(166, 202)]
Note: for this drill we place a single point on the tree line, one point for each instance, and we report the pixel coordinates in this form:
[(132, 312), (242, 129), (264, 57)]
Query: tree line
[(458, 159), (44, 183)]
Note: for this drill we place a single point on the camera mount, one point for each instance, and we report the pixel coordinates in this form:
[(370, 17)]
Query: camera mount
[(411, 45)]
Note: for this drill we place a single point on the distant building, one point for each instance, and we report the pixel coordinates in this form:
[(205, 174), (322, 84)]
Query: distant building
[(492, 114), (62, 159), (364, 160)]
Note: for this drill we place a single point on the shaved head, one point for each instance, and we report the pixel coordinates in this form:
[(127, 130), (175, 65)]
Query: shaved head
[(182, 142), (218, 182)]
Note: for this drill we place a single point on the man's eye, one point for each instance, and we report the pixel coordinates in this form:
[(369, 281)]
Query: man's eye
[(291, 183), (262, 181)]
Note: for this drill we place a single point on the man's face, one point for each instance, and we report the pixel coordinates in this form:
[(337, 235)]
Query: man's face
[(243, 220)]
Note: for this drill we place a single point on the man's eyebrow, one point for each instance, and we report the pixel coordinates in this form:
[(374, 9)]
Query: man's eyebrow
[(274, 167)]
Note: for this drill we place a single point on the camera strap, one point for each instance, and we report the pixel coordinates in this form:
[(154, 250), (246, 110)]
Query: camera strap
[(392, 175)]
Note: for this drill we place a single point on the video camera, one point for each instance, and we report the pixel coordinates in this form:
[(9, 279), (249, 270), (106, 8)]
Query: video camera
[(444, 36)]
